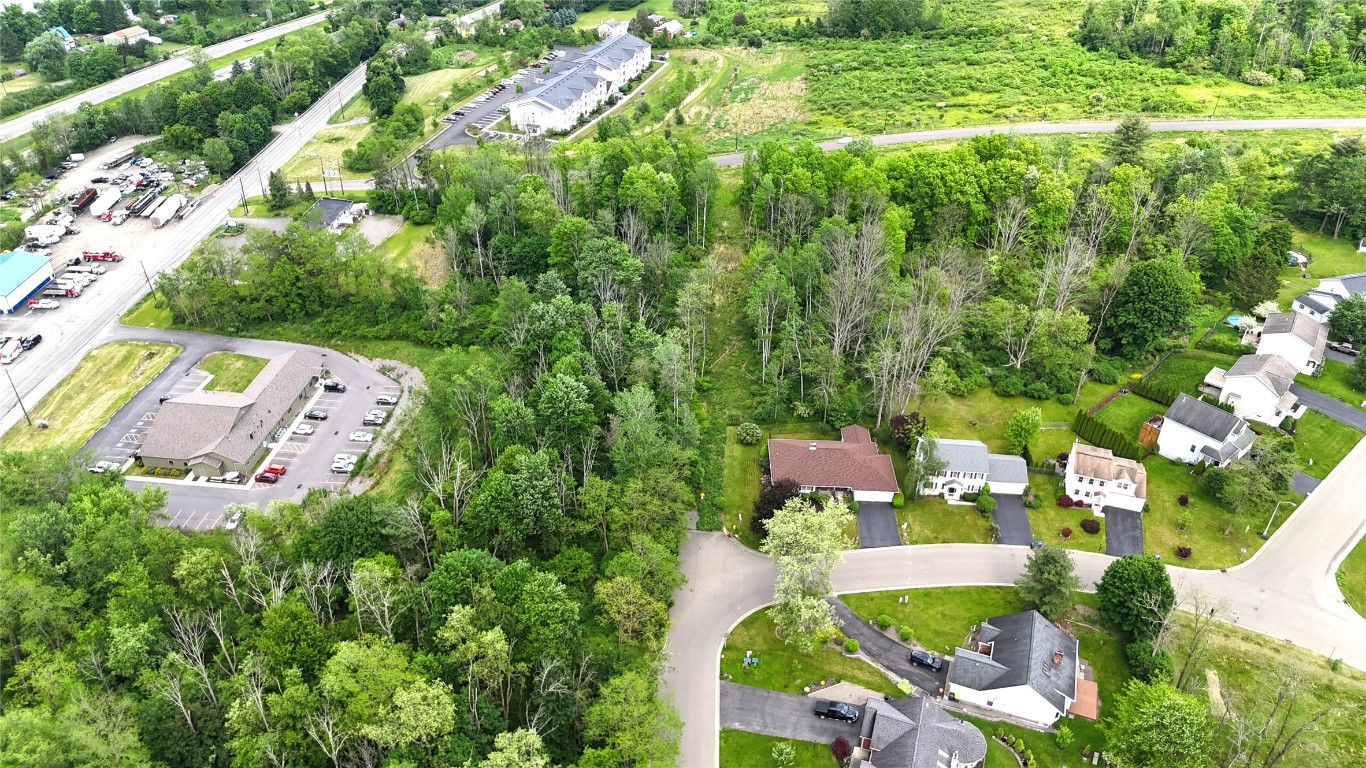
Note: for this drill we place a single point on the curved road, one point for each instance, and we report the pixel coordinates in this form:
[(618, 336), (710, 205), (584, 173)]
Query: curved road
[(967, 132), (22, 124), (1286, 590)]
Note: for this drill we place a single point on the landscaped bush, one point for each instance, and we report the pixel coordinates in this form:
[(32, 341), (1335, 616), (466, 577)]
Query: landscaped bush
[(1066, 533), (898, 501), (1098, 433), (1091, 525), (970, 496), (1063, 737), (1183, 552), (1183, 500), (1065, 501), (985, 504), (1146, 664), (1065, 399), (905, 634), (907, 429), (748, 433), (841, 749), (1008, 385), (851, 646), (1038, 390), (1155, 392), (1215, 479), (883, 621)]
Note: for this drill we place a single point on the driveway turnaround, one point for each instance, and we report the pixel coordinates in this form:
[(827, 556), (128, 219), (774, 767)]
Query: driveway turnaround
[(1123, 532), (877, 524), (888, 652), (1010, 516), (785, 715), (1285, 591), (1333, 409)]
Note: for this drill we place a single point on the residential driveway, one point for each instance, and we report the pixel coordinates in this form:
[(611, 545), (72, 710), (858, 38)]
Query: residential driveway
[(1123, 532), (888, 652), (1010, 516), (877, 525), (785, 715), (1338, 356), (1303, 484), (1333, 409)]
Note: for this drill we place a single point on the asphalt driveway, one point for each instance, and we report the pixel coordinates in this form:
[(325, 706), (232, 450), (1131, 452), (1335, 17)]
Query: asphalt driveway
[(888, 652), (1333, 409), (877, 525), (785, 715), (1123, 532), (1303, 484), (1010, 516)]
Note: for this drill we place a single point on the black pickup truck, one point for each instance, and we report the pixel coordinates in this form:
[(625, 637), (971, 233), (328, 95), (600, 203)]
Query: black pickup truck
[(836, 710)]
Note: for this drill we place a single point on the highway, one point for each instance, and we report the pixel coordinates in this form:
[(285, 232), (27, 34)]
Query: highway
[(22, 124), (69, 335)]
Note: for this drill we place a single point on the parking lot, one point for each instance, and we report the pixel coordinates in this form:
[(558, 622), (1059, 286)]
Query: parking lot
[(483, 112)]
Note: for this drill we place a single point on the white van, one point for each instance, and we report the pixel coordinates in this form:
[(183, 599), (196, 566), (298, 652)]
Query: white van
[(10, 351)]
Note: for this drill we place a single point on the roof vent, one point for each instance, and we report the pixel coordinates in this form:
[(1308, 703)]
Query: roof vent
[(1057, 658)]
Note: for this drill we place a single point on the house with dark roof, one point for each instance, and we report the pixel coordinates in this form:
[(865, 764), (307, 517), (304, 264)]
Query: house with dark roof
[(212, 433), (1194, 431), (1317, 304), (579, 85), (850, 465), (967, 467), (334, 213), (1294, 336), (1258, 388), (1025, 666), (917, 733), (1100, 479)]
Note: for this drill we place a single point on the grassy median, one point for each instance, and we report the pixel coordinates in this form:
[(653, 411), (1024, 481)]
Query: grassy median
[(91, 394)]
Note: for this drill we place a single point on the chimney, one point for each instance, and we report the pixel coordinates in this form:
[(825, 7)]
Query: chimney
[(1057, 658)]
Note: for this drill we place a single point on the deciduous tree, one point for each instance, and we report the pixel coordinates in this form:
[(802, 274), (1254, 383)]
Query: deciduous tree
[(1049, 581)]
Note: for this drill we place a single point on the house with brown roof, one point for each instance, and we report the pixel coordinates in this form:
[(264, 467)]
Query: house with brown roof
[(1296, 337), (848, 466), (1100, 479), (212, 433)]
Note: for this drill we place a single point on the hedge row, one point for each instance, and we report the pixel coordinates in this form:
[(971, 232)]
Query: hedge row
[(1154, 392), (1098, 433)]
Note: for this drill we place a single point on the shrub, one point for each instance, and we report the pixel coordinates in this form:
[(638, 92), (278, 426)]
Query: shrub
[(1146, 664), (898, 501), (971, 496), (1183, 552), (1090, 525), (1063, 737), (1106, 372), (883, 621), (1038, 390), (985, 504), (853, 506), (907, 429), (1066, 533), (1008, 385), (840, 747), (1000, 734), (1065, 501), (748, 433), (1215, 480), (1065, 399), (1254, 77), (851, 646), (1183, 500), (905, 634), (1184, 520)]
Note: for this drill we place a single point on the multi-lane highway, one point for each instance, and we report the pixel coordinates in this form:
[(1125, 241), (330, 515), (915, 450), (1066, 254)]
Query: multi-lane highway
[(18, 126)]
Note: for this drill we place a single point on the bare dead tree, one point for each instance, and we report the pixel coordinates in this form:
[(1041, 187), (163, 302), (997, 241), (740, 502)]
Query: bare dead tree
[(1109, 287), (254, 689), (1093, 218), (227, 647), (1262, 730), (379, 595), (1205, 612), (317, 581), (852, 283), (1010, 221), (1191, 232), (1068, 267), (167, 685), (405, 519), (1142, 202), (189, 631), (229, 581), (326, 731), (1163, 616), (92, 666), (279, 76), (267, 581), (635, 231)]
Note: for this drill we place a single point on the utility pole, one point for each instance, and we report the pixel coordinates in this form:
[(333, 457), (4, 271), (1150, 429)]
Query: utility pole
[(146, 277), (243, 187), (17, 397)]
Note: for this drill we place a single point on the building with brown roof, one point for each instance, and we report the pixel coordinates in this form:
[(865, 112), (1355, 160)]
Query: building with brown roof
[(850, 465), (1101, 479), (213, 433)]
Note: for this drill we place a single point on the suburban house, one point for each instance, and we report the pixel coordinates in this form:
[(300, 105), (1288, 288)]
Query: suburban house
[(579, 85), (1023, 665), (611, 28), (1295, 336), (916, 733), (67, 40), (1194, 431), (1318, 302), (334, 213), (850, 465), (1258, 387), (1101, 479), (129, 36), (212, 433), (968, 466)]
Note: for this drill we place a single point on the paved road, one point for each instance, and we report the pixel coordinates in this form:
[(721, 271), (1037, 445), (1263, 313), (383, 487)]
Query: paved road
[(888, 652), (1333, 409), (69, 335), (1123, 532), (942, 134), (21, 125), (877, 524), (1286, 591), (785, 715), (1013, 520)]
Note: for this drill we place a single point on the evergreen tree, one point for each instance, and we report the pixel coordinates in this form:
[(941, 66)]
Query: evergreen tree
[(278, 192)]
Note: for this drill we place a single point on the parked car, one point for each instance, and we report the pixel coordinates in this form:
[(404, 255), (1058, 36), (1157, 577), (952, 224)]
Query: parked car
[(836, 710), (304, 429), (361, 436), (100, 180), (332, 385), (316, 415), (234, 520), (100, 467), (1344, 348), (266, 477), (275, 469), (927, 660), (31, 341), (373, 419), (344, 462), (386, 400)]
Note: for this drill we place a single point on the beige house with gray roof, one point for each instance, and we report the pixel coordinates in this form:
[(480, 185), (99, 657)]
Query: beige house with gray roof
[(213, 433)]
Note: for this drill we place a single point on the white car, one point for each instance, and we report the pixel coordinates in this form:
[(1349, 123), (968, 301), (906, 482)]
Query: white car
[(361, 436), (45, 304), (846, 140), (343, 458), (304, 429), (100, 467)]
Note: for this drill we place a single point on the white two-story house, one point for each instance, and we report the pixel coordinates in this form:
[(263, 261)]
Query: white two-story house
[(1194, 431), (580, 85), (1294, 336), (1100, 479), (1317, 304), (967, 467), (1258, 388)]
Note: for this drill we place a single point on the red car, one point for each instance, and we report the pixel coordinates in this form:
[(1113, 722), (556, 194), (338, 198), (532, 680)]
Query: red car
[(274, 469), (266, 477)]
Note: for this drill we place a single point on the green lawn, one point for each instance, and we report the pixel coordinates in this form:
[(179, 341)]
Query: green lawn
[(147, 313), (1186, 370), (1333, 382), (409, 248), (983, 416), (784, 667), (742, 473), (231, 372), (740, 749), (590, 19), (1048, 521), (1327, 258), (1352, 577), (931, 520), (1127, 413), (1206, 517), (324, 152), (1323, 441)]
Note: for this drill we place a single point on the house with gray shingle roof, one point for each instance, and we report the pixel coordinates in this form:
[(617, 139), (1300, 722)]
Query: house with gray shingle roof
[(1194, 431), (212, 433), (1022, 665), (1258, 388), (579, 85), (1295, 337), (917, 733), (1318, 303), (968, 467)]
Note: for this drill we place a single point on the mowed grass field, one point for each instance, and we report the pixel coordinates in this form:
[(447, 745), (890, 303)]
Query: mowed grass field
[(1351, 578), (740, 749), (591, 18), (91, 394), (324, 152), (231, 372)]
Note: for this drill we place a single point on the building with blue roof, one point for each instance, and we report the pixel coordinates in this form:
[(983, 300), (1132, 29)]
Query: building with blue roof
[(67, 39), (22, 274)]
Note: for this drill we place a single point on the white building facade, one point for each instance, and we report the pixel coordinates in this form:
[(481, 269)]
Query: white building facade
[(1194, 431), (1100, 479), (1258, 388), (967, 467), (1297, 338), (585, 83)]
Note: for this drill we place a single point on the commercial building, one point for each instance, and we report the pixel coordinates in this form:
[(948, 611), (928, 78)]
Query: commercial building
[(130, 35), (581, 85), (22, 274), (334, 213), (213, 433)]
